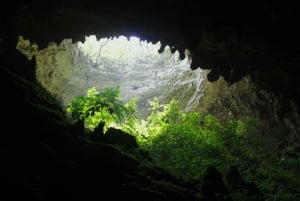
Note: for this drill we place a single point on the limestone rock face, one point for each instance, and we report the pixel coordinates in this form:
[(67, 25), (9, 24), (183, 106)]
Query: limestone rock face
[(26, 47), (67, 70), (245, 99)]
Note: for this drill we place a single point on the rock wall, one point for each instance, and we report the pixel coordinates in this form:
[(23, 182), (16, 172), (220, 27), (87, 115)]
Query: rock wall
[(277, 117), (68, 69)]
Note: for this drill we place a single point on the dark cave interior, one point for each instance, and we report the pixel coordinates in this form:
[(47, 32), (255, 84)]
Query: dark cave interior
[(45, 158)]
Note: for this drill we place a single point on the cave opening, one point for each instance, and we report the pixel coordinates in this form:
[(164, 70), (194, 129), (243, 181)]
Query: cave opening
[(133, 65), (255, 146), (182, 143)]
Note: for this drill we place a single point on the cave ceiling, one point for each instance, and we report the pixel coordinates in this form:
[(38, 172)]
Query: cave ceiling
[(233, 38)]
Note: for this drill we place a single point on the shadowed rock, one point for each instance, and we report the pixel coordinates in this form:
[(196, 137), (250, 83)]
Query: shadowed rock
[(213, 187)]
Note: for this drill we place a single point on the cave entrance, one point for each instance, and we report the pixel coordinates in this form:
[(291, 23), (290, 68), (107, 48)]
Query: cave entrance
[(135, 66)]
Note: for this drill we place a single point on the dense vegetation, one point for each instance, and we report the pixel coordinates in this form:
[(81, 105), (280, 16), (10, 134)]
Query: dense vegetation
[(105, 107), (186, 144)]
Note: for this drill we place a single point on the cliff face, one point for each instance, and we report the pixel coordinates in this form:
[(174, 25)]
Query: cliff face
[(69, 69)]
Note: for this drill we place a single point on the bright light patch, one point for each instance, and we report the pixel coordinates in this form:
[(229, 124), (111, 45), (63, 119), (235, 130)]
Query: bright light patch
[(117, 48)]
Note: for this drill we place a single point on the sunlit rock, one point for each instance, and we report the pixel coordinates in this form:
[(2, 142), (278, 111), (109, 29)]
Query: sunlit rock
[(67, 70)]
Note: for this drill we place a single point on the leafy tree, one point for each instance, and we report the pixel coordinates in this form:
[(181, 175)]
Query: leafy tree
[(172, 113), (130, 123), (155, 123), (188, 143), (105, 107)]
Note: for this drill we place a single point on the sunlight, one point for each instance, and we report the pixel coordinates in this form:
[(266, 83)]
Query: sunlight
[(117, 48)]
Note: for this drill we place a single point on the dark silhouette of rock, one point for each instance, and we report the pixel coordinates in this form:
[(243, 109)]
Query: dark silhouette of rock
[(115, 137), (78, 129), (213, 187), (99, 129), (119, 137)]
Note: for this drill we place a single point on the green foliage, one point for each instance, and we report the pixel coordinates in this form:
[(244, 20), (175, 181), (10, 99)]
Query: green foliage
[(172, 113), (130, 123), (101, 107), (155, 123), (186, 144)]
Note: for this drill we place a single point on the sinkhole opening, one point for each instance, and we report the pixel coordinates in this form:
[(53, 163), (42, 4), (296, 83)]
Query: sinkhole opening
[(133, 65), (185, 144)]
